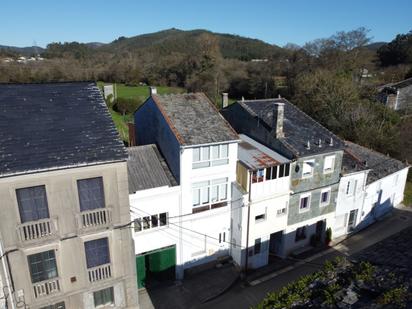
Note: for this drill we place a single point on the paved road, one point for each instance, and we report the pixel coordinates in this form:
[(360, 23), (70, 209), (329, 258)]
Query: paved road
[(245, 297), (240, 296)]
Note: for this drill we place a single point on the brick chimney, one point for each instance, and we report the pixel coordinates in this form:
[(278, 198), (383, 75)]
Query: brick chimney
[(153, 90), (225, 99), (279, 111)]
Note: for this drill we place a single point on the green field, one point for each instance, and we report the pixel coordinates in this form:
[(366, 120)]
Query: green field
[(130, 92)]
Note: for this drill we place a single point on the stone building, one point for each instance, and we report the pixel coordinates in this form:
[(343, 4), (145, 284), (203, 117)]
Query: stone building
[(64, 200)]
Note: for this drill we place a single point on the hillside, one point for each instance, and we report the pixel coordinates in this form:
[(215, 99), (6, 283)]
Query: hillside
[(179, 41), (25, 51)]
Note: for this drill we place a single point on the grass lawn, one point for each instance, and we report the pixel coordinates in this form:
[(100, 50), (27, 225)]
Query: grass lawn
[(408, 194), (129, 92)]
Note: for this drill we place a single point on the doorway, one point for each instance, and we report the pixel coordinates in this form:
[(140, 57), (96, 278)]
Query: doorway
[(275, 245), (352, 220)]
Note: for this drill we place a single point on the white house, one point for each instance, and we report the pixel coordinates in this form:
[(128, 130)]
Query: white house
[(351, 195), (260, 204), (370, 186), (200, 150)]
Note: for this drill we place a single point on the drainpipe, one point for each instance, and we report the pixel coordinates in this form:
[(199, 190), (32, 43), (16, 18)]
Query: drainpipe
[(6, 274), (248, 222)]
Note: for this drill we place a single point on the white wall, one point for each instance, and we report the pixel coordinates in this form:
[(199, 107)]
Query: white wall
[(382, 195), (155, 201), (345, 203)]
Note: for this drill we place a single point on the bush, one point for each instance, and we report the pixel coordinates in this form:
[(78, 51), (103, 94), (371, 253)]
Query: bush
[(126, 106)]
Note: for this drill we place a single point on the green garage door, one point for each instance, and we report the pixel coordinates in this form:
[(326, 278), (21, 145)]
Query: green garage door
[(156, 266)]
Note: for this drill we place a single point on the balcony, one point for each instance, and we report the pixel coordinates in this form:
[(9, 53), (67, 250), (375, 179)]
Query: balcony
[(35, 230), (95, 218), (47, 287), (100, 272)]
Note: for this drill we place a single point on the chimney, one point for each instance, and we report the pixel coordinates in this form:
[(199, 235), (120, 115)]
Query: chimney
[(132, 134), (279, 119), (225, 99), (153, 90)]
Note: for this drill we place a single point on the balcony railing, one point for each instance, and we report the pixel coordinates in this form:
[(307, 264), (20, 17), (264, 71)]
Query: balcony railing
[(36, 229), (47, 287), (100, 272), (95, 218)]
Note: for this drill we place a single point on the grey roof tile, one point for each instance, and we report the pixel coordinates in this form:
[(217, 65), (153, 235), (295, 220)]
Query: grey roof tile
[(359, 157), (147, 169), (53, 126), (194, 119), (298, 127)]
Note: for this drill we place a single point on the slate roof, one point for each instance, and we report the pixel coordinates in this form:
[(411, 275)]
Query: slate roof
[(194, 119), (147, 169), (298, 127), (401, 84), (55, 125), (379, 165), (256, 156)]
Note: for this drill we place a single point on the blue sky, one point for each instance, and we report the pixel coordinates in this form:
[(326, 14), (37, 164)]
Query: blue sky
[(277, 22)]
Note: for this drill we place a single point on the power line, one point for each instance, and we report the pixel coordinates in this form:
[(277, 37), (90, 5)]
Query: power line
[(191, 230)]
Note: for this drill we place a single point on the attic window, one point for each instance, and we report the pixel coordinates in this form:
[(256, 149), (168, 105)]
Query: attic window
[(329, 164), (307, 169)]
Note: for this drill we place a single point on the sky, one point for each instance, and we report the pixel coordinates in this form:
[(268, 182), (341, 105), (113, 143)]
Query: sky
[(277, 22)]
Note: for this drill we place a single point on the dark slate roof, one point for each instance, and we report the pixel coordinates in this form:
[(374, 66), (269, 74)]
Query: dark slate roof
[(368, 159), (147, 169), (298, 127), (194, 119), (400, 84), (53, 126)]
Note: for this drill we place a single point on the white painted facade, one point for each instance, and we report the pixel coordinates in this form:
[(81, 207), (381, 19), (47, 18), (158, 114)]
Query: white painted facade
[(199, 237), (351, 195), (260, 206), (382, 195)]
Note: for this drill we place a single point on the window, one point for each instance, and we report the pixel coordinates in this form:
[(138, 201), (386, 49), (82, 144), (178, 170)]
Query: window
[(60, 305), (258, 245), (150, 222), (304, 203), (97, 252), (329, 164), (325, 197), (281, 211), (307, 170), (209, 194), (32, 203), (146, 222), (351, 187), (257, 176), (300, 233), (103, 297), (222, 237), (91, 194), (210, 156), (272, 173), (163, 218), (42, 266), (260, 218)]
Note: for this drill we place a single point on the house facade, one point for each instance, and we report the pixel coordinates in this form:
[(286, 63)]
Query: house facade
[(64, 192), (315, 154), (383, 187), (397, 96), (260, 204), (200, 150)]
